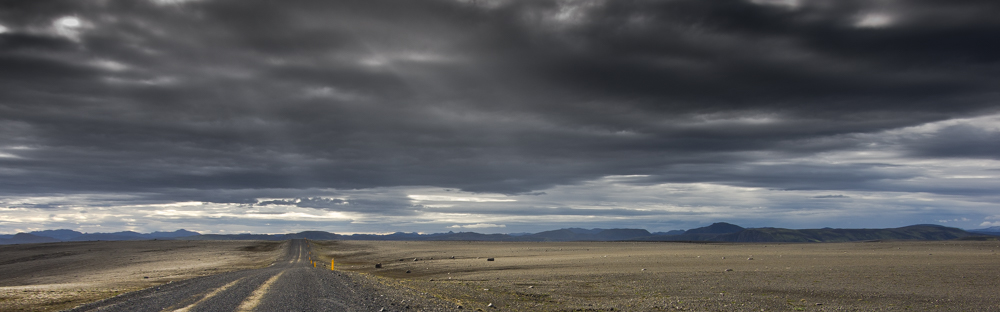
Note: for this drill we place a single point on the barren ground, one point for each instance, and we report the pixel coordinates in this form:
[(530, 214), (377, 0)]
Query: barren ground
[(57, 276), (648, 276), (575, 276)]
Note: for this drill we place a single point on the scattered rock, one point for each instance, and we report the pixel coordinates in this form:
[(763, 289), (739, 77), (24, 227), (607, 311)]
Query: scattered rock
[(407, 271), (531, 286), (643, 269), (751, 258), (490, 305), (414, 259), (378, 265), (729, 270)]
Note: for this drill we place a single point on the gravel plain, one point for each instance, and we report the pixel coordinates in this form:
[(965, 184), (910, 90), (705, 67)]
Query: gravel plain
[(524, 276), (660, 276)]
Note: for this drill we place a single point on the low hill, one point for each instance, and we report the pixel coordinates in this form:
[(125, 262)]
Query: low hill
[(706, 233), (913, 232), (175, 234), (64, 235), (61, 234), (993, 230), (717, 232), (25, 238), (716, 228), (564, 235)]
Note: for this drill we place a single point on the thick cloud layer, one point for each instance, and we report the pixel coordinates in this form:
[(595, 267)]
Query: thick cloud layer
[(306, 103)]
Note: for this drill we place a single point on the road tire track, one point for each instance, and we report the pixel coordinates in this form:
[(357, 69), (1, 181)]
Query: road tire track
[(290, 284)]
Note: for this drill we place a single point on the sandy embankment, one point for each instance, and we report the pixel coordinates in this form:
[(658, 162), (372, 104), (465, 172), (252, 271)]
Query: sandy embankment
[(56, 276), (599, 276)]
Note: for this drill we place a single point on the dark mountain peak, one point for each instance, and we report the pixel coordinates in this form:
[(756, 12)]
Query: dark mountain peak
[(992, 229), (913, 232), (671, 232), (716, 228), (27, 238), (174, 234), (317, 235), (616, 234), (584, 231), (924, 225), (60, 234), (556, 234)]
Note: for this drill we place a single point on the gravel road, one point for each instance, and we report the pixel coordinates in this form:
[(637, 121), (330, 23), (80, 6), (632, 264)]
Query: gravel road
[(292, 283)]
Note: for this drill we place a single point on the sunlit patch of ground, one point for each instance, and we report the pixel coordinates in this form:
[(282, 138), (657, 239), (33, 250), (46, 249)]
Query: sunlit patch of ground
[(57, 276)]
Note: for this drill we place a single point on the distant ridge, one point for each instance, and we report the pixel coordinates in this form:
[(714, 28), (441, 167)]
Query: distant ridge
[(993, 230), (63, 235), (716, 228), (913, 232), (707, 233), (27, 238), (717, 232)]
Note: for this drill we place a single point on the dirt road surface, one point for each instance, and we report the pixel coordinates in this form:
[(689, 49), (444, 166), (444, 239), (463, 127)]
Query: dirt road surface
[(293, 283), (56, 276)]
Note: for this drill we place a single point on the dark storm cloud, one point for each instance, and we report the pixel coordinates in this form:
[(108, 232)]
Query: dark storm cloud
[(543, 211), (958, 141), (493, 96)]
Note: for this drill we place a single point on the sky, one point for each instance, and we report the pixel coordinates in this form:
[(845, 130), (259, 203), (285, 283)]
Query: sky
[(497, 116)]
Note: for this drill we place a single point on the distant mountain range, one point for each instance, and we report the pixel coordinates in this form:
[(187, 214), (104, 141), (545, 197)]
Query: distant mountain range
[(717, 232), (993, 230), (49, 236)]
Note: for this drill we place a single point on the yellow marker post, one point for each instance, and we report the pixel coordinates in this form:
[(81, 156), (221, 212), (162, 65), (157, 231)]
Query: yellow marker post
[(331, 264)]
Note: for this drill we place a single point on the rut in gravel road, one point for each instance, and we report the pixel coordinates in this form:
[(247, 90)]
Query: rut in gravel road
[(290, 284)]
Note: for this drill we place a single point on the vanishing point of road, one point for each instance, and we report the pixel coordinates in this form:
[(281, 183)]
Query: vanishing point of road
[(290, 284)]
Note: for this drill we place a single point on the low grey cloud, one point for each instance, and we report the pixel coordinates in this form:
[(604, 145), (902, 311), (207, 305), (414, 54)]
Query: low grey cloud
[(542, 211), (832, 196), (384, 206), (296, 103), (958, 141)]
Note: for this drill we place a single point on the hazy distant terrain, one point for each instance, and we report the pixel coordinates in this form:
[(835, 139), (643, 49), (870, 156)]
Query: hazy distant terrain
[(718, 232)]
